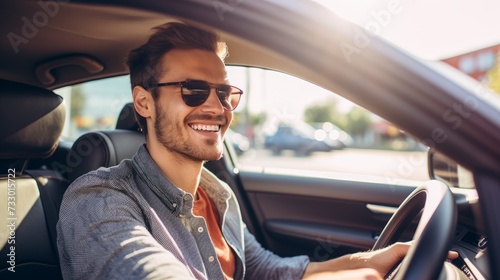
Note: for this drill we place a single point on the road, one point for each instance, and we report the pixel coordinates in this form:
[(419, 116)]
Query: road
[(390, 166)]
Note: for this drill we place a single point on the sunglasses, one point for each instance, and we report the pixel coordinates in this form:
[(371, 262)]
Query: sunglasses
[(195, 93)]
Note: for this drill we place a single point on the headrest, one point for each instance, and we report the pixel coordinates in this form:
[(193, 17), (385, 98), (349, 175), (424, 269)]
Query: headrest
[(102, 149), (32, 121), (126, 119)]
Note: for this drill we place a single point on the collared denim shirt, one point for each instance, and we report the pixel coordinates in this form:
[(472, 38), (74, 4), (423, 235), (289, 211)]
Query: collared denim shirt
[(131, 222)]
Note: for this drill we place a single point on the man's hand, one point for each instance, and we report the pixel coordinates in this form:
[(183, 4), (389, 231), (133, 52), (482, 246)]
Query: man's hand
[(384, 259), (358, 274), (365, 265), (381, 260), (378, 263)]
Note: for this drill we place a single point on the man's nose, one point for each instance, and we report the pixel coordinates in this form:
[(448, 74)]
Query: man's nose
[(213, 103)]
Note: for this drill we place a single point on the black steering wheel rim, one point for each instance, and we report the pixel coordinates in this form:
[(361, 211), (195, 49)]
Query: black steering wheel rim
[(434, 233)]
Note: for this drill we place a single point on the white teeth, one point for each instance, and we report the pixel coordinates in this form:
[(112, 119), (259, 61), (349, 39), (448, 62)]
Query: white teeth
[(205, 127)]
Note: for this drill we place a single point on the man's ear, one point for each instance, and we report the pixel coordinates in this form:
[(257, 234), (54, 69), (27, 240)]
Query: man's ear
[(143, 102)]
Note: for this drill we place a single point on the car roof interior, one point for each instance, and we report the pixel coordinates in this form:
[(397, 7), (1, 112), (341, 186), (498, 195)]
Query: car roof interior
[(63, 55)]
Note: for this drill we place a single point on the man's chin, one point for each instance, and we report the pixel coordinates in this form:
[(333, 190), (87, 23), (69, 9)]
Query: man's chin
[(206, 156), (215, 157), (214, 153)]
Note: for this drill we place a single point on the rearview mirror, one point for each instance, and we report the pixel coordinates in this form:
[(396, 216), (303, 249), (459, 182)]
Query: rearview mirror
[(448, 171)]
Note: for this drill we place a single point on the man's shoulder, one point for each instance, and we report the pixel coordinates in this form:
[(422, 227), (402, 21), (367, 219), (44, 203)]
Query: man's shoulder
[(108, 177), (107, 187)]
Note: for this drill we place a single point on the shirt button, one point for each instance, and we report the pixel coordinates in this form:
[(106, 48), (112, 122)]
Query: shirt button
[(185, 197), (200, 229), (211, 259)]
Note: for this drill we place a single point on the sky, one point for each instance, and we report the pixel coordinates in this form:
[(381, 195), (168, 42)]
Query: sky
[(430, 29)]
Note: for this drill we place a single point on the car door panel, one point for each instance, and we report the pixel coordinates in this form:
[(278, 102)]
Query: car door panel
[(320, 216)]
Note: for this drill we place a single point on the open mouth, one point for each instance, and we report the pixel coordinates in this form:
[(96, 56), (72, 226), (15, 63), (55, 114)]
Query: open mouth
[(205, 127)]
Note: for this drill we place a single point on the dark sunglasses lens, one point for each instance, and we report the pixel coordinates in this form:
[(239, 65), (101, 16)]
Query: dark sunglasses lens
[(195, 93), (229, 97)]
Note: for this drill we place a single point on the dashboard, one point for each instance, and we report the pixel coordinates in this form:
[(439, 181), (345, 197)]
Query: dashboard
[(472, 248)]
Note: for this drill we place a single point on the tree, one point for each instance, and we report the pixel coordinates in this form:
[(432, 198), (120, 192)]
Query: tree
[(319, 113), (326, 112), (359, 121), (254, 121)]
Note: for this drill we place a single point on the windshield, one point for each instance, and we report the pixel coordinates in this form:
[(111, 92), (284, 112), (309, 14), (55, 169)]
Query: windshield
[(462, 35)]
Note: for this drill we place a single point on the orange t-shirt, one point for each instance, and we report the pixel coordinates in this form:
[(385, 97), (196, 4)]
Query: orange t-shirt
[(205, 207)]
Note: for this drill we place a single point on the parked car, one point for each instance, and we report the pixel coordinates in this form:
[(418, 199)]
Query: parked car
[(303, 139), (47, 46)]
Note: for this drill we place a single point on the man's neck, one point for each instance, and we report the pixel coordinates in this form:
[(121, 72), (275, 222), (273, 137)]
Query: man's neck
[(184, 173)]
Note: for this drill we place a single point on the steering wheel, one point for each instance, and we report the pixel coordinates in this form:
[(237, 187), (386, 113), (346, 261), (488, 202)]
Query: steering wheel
[(434, 233)]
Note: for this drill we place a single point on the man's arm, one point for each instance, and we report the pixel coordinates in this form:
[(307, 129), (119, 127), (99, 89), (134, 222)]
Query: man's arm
[(102, 235), (365, 265), (263, 264)]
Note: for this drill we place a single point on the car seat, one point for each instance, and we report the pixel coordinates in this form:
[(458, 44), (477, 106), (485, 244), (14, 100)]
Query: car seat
[(32, 122), (107, 148)]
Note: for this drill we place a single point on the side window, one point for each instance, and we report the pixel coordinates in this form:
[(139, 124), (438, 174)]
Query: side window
[(94, 105), (272, 131), (291, 125)]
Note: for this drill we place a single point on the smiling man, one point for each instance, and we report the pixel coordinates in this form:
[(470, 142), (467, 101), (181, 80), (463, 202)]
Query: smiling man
[(161, 215)]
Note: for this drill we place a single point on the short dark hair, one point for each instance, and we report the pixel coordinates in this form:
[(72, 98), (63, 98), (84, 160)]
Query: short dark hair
[(144, 62)]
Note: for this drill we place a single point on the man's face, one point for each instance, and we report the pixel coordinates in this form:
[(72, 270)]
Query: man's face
[(193, 132)]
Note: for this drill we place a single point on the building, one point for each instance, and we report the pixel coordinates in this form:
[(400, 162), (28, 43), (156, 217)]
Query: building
[(476, 63)]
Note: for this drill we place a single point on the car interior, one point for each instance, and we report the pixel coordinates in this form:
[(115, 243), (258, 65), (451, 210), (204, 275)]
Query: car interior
[(50, 45), (32, 136)]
